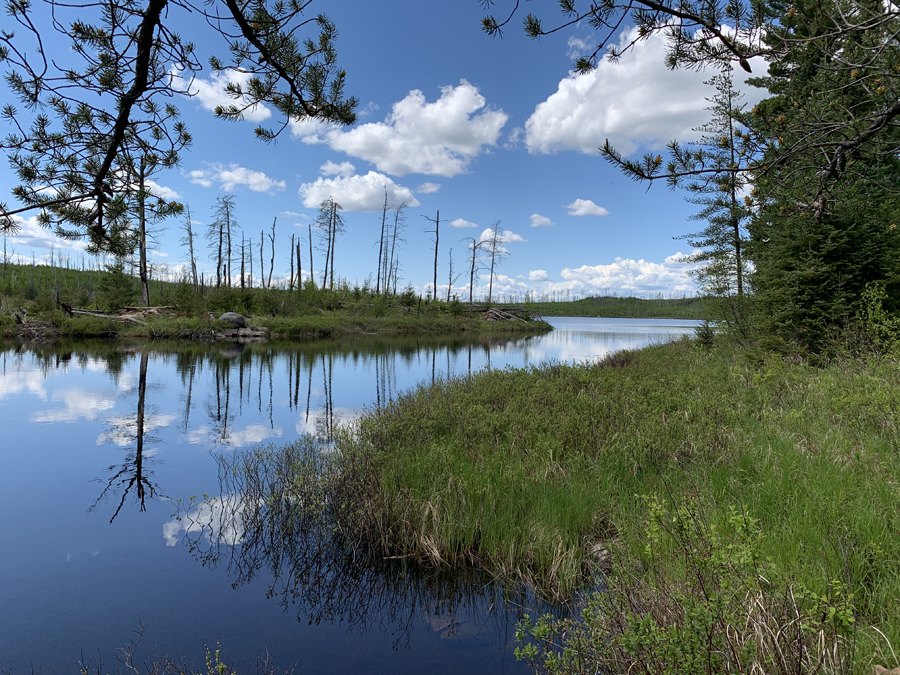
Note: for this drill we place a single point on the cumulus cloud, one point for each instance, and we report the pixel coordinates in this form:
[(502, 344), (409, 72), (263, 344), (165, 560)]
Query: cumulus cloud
[(537, 220), (329, 168), (506, 237), (428, 188), (585, 207), (635, 103), (233, 175), (161, 191), (30, 235), (627, 275), (356, 193), (211, 94), (216, 519), (77, 404), (460, 222), (624, 276), (440, 138)]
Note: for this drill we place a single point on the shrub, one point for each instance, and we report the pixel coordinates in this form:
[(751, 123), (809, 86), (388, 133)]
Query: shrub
[(702, 600)]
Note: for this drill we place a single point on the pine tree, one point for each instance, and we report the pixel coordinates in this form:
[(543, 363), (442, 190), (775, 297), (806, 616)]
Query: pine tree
[(90, 116)]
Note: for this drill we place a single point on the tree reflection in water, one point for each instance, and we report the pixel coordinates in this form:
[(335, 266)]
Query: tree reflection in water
[(275, 519), (133, 473)]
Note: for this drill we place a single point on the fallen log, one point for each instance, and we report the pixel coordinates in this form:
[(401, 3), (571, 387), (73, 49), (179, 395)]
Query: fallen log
[(113, 317)]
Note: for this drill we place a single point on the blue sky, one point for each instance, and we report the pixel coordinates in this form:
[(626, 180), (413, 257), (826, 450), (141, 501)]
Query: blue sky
[(481, 129)]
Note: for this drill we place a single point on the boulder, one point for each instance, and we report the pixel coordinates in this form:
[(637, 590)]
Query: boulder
[(235, 319)]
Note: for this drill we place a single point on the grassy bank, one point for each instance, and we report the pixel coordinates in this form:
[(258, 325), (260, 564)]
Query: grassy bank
[(337, 324), (549, 474), (626, 308), (40, 293)]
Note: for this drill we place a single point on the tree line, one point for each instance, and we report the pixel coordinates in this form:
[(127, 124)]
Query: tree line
[(799, 192)]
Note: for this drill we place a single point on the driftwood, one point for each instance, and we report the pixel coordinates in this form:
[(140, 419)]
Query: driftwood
[(494, 314), (163, 309), (113, 317)]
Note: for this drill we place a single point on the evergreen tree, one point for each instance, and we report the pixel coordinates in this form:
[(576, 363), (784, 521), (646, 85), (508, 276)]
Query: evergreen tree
[(724, 147), (822, 233), (91, 115)]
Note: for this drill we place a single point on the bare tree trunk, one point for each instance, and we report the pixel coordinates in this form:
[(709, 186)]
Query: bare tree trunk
[(437, 232), (272, 261), (291, 279), (299, 269), (379, 276), (228, 259), (189, 239), (262, 263), (312, 276), (243, 256), (142, 234), (450, 278), (333, 240)]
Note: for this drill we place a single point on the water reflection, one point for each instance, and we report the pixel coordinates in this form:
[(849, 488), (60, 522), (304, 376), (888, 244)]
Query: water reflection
[(143, 419), (273, 520), (134, 473)]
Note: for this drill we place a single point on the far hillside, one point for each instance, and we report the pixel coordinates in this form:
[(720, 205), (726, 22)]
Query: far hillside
[(629, 307)]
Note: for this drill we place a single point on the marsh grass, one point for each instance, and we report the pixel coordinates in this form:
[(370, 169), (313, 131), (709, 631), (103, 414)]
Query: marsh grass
[(532, 474)]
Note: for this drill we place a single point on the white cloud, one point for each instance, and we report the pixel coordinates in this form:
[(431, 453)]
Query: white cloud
[(161, 191), (254, 433), (16, 381), (293, 214), (79, 403), (428, 188), (30, 235), (459, 222), (216, 519), (507, 236), (579, 47), (211, 94), (122, 429), (635, 103), (370, 108), (585, 207), (537, 220), (229, 177), (329, 168), (439, 138), (357, 193), (626, 275)]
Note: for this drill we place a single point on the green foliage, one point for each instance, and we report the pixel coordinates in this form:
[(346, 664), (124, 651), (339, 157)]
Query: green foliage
[(115, 288), (109, 104), (723, 608), (533, 474), (627, 307), (408, 298)]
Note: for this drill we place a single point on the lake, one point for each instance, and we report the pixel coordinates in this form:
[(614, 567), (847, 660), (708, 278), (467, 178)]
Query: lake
[(119, 520)]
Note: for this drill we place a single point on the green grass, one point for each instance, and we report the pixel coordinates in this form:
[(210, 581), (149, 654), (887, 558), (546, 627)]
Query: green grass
[(313, 313), (627, 307), (527, 472)]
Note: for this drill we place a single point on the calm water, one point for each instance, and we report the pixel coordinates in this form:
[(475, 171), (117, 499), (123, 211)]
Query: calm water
[(104, 444)]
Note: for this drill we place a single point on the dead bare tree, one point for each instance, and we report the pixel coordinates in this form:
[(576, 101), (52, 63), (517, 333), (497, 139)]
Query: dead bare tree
[(188, 241), (436, 231)]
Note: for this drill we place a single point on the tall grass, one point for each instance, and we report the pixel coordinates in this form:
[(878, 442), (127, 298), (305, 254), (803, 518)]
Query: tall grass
[(621, 307), (307, 313), (539, 473)]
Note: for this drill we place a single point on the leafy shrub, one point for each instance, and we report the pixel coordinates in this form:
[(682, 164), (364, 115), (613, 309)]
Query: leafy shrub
[(703, 600)]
